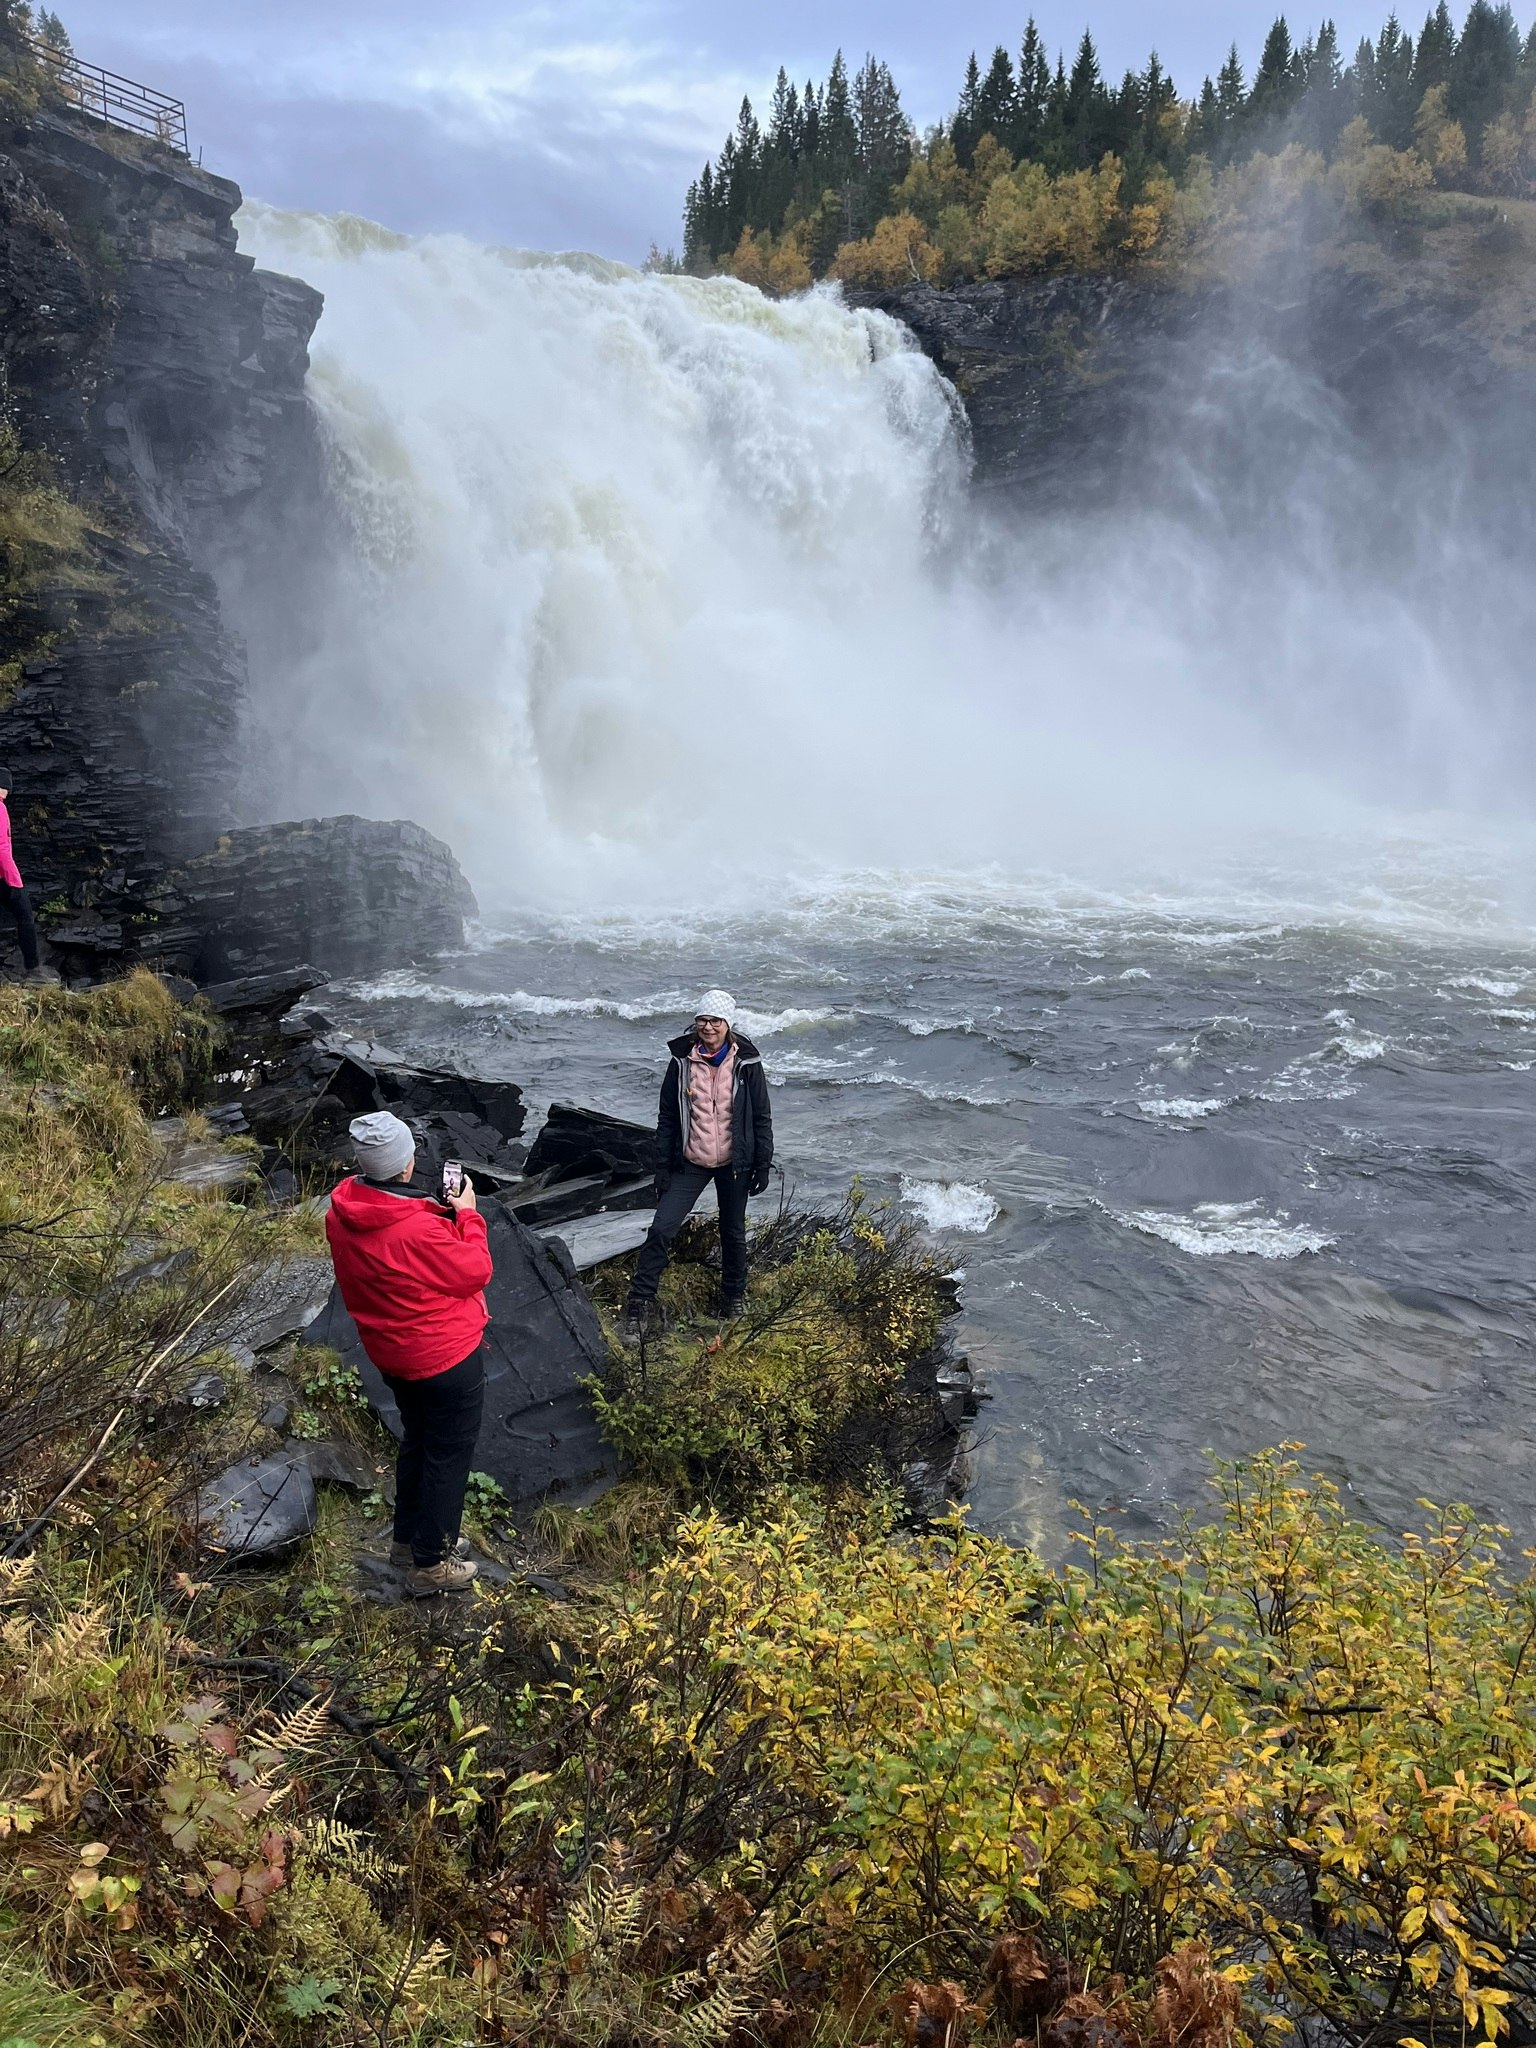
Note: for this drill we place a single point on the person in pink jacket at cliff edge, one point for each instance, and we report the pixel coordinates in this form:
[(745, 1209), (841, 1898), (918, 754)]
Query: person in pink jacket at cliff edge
[(13, 894)]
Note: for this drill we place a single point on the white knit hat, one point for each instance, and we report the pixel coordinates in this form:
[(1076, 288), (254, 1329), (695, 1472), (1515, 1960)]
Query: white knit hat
[(716, 1003), (383, 1146)]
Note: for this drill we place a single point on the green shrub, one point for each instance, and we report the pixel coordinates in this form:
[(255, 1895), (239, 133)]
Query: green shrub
[(808, 1384)]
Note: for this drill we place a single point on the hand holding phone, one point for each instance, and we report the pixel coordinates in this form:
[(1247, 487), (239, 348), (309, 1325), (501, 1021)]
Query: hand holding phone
[(458, 1190)]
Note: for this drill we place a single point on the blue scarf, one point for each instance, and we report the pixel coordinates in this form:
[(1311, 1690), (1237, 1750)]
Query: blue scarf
[(715, 1058)]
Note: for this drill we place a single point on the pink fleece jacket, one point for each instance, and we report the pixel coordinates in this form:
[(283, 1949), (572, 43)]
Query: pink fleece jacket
[(709, 1108), (10, 874)]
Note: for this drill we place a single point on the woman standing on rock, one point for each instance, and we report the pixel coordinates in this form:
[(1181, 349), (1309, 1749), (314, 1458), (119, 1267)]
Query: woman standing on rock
[(17, 902), (714, 1124), (412, 1271)]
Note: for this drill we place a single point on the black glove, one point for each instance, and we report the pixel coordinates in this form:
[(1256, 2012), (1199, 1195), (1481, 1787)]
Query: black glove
[(663, 1182), (759, 1181)]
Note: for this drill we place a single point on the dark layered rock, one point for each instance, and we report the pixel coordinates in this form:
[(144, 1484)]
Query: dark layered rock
[(350, 894), (577, 1141), (156, 378)]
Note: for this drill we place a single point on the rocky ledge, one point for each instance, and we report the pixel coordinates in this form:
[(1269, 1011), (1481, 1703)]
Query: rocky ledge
[(154, 381)]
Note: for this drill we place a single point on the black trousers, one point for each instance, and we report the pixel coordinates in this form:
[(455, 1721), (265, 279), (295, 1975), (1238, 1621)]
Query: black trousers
[(19, 905), (672, 1212), (441, 1418)]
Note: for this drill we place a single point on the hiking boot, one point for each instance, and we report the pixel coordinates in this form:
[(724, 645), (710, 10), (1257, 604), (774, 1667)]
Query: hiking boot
[(453, 1575), (403, 1558), (636, 1323), (42, 977), (730, 1308)]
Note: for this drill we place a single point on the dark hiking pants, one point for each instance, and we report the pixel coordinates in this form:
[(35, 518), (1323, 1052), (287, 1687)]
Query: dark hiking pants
[(18, 905), (441, 1419), (683, 1190)]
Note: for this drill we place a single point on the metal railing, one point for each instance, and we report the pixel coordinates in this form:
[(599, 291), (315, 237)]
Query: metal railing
[(121, 102)]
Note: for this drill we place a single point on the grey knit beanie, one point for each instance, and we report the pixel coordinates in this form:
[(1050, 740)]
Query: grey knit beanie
[(383, 1146)]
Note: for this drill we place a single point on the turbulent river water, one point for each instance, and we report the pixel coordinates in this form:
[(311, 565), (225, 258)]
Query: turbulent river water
[(1141, 903), (1213, 1183)]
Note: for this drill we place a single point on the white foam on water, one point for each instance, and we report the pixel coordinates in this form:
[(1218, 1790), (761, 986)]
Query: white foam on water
[(953, 1205), (1485, 984), (1183, 1109), (769, 1023), (404, 986), (1218, 1229), (925, 1027)]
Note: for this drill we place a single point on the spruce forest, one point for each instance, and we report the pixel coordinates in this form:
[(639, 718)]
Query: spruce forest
[(1043, 164)]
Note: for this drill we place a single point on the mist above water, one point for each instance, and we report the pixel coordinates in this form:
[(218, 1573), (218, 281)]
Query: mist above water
[(649, 589)]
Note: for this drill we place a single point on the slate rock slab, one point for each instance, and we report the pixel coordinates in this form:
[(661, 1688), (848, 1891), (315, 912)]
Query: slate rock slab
[(576, 1142), (540, 1434), (258, 1508), (281, 1299)]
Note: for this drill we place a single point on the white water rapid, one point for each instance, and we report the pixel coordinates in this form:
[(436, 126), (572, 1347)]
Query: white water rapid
[(655, 589)]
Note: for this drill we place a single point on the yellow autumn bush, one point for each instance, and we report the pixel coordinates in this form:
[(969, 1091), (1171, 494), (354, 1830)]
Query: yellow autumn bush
[(1280, 1734)]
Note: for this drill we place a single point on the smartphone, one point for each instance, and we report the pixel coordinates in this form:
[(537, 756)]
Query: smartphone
[(453, 1178)]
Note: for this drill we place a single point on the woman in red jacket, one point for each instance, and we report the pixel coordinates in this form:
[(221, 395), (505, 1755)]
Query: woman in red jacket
[(412, 1270)]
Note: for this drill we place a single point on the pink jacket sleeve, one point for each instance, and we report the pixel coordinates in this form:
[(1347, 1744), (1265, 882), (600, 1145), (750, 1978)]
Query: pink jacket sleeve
[(10, 874)]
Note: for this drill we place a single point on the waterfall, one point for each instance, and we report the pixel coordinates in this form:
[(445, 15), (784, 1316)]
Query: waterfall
[(652, 586)]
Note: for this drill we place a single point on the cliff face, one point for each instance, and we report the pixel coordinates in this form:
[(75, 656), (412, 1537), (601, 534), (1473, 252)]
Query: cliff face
[(153, 384), (1417, 361)]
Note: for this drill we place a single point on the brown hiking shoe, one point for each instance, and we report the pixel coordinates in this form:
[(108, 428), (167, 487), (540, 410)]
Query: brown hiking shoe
[(453, 1575)]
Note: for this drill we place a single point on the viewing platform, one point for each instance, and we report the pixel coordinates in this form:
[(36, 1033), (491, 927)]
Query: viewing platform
[(120, 102)]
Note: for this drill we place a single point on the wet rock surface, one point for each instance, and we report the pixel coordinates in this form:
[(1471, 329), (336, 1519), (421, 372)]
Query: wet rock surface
[(258, 1508)]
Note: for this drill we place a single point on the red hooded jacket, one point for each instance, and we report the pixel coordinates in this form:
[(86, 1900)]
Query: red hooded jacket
[(411, 1275)]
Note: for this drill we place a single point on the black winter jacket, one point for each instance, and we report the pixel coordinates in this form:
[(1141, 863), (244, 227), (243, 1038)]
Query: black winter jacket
[(751, 1116)]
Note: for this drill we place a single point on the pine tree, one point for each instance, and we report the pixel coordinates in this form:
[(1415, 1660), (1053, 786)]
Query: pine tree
[(1231, 87), (1155, 91), (54, 35), (1436, 52), (1484, 69), (963, 131), (1393, 101), (884, 142), (810, 121), (1032, 96), (1204, 132), (997, 100), (1084, 109), (1274, 82), (839, 147)]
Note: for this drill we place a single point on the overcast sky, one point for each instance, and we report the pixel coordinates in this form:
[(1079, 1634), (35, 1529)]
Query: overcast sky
[(575, 125)]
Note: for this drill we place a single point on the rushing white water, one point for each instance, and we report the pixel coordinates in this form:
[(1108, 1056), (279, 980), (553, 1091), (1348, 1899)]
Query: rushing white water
[(656, 591)]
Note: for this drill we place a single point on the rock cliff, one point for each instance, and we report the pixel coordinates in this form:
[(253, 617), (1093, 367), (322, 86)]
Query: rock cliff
[(155, 426), (1414, 355)]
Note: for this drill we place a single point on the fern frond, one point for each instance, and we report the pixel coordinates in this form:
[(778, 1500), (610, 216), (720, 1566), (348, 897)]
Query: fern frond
[(302, 1729), (16, 1575), (709, 2024), (427, 1964)]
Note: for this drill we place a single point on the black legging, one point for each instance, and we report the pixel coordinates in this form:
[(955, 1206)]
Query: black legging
[(441, 1420), (19, 904)]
